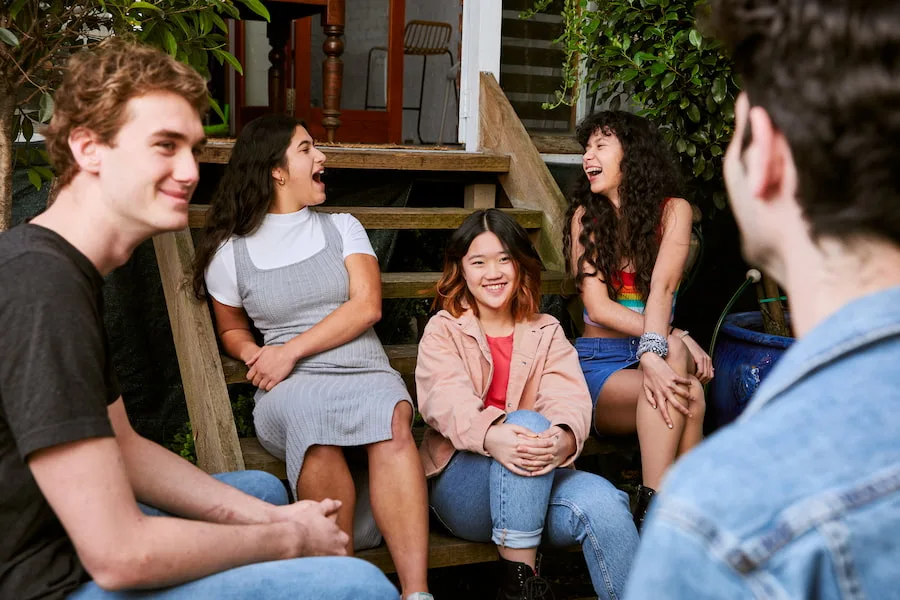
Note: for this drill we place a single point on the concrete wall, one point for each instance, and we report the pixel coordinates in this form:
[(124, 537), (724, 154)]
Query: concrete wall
[(366, 27)]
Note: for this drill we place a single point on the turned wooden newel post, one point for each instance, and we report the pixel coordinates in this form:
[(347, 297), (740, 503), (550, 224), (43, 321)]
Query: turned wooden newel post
[(332, 75), (279, 33), (332, 67)]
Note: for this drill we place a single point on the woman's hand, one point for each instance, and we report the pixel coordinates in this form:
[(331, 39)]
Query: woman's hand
[(664, 387), (705, 371), (269, 366), (519, 449), (563, 447)]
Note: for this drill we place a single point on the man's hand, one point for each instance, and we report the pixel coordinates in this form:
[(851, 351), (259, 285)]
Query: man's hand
[(664, 387), (317, 530), (269, 366), (517, 448)]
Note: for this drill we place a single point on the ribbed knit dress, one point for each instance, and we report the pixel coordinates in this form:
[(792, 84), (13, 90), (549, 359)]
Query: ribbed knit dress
[(341, 397)]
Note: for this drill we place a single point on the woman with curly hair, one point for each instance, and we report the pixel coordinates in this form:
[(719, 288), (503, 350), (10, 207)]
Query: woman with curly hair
[(627, 238), (310, 283)]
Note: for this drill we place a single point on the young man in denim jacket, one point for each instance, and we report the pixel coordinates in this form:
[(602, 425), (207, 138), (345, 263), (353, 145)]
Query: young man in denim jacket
[(801, 497)]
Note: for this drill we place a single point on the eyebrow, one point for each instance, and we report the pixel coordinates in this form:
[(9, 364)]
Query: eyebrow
[(501, 253), (307, 142), (175, 135)]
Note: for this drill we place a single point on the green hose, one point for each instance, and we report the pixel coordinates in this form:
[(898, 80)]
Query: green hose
[(753, 276)]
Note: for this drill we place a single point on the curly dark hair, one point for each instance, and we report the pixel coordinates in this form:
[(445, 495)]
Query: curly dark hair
[(247, 188), (649, 176), (827, 74)]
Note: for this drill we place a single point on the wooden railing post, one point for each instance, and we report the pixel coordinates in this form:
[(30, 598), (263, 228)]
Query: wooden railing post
[(208, 405)]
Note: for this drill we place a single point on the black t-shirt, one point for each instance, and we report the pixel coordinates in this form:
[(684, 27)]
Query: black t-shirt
[(56, 381)]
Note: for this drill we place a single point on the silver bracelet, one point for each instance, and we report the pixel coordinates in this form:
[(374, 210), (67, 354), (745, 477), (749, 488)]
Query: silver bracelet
[(652, 342)]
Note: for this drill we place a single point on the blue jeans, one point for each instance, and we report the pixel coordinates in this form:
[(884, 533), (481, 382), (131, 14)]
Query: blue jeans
[(478, 499), (314, 578)]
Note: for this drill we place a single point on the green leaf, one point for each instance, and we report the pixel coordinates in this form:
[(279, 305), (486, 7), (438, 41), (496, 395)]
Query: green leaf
[(35, 179), (699, 166), (657, 68), (668, 80), (641, 57), (719, 89), (696, 38), (45, 173), (170, 42), (218, 21), (229, 58), (27, 129), (8, 37), (144, 5), (720, 200), (214, 105), (628, 74), (257, 7), (46, 107)]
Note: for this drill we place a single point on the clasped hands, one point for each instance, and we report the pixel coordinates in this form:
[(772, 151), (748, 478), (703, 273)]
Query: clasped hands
[(269, 365), (526, 453)]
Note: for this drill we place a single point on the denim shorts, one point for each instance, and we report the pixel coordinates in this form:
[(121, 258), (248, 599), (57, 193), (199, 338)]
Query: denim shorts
[(601, 357)]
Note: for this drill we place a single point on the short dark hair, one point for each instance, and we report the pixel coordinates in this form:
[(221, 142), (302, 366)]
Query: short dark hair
[(827, 73), (452, 292)]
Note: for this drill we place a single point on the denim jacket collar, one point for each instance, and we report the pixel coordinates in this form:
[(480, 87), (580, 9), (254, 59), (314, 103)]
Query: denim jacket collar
[(864, 321)]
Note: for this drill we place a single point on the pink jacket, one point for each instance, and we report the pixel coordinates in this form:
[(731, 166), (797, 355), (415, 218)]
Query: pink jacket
[(454, 371)]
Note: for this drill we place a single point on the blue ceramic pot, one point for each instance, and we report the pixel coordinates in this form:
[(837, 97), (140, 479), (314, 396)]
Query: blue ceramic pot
[(743, 357)]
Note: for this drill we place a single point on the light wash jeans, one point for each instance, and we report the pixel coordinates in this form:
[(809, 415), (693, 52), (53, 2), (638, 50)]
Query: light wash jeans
[(478, 499), (314, 578)]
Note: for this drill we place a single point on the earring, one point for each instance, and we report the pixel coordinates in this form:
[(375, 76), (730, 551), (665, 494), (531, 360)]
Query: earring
[(281, 181)]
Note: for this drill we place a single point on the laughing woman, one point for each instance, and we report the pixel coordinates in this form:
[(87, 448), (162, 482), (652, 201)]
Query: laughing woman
[(310, 283), (627, 239), (500, 387)]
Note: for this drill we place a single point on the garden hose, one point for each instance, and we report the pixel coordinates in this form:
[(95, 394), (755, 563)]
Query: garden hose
[(753, 276)]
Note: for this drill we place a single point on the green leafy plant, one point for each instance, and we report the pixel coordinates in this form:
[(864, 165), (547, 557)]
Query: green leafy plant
[(242, 404), (648, 55), (37, 36)]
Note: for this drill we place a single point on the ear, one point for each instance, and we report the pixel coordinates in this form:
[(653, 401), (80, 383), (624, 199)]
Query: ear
[(277, 174), (768, 157), (86, 148)]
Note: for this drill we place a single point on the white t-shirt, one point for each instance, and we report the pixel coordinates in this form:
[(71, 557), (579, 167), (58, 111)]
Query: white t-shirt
[(281, 240)]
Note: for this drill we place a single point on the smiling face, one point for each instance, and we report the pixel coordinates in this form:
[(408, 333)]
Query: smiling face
[(490, 274), (149, 172), (302, 171), (602, 164)]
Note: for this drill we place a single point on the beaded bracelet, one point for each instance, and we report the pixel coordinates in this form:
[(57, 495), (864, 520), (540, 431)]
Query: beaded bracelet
[(652, 342)]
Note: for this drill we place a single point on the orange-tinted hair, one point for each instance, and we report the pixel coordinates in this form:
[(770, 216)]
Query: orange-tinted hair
[(452, 292), (97, 85)]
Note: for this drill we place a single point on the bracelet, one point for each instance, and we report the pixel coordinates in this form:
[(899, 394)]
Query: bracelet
[(652, 342), (684, 334)]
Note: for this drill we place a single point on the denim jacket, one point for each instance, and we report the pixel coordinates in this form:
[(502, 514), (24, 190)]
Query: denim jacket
[(800, 498)]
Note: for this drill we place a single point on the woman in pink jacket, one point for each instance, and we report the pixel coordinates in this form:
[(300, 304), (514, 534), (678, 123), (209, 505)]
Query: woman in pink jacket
[(501, 389)]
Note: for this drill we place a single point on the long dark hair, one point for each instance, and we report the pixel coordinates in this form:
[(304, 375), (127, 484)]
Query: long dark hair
[(452, 292), (247, 188), (649, 176)]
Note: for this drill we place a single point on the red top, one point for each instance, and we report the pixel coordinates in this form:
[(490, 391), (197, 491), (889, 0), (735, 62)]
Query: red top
[(501, 354)]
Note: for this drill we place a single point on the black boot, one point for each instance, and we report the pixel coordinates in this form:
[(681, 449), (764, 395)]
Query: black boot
[(644, 497), (518, 581)]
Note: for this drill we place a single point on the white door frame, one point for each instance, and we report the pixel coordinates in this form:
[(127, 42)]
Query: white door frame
[(482, 20)]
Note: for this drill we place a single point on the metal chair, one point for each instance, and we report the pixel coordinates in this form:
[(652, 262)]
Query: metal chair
[(421, 38)]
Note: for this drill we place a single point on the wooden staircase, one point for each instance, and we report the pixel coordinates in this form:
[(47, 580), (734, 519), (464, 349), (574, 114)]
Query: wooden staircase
[(508, 167)]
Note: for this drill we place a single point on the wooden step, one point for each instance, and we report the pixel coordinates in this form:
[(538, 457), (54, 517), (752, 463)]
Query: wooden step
[(455, 161), (421, 285), (376, 217)]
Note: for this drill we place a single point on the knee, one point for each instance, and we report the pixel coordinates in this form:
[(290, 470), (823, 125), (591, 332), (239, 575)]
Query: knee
[(362, 579), (260, 484), (401, 432), (529, 419)]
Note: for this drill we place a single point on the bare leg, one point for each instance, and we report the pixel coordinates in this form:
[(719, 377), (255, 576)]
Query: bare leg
[(325, 475), (400, 501), (522, 555), (659, 444), (616, 411), (693, 430)]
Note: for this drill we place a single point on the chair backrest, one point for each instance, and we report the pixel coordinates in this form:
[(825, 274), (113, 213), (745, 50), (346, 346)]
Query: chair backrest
[(426, 37)]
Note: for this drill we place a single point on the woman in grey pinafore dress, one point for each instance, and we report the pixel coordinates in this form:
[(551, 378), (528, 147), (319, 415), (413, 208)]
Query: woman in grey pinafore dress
[(344, 392)]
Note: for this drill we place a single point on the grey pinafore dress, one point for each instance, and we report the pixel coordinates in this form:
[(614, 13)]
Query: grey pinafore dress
[(341, 397)]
